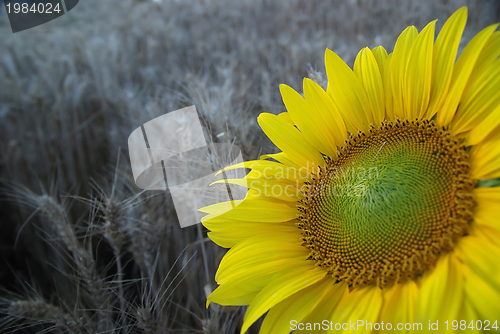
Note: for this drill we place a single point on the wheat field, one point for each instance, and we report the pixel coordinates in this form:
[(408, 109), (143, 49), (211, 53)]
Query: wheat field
[(84, 250)]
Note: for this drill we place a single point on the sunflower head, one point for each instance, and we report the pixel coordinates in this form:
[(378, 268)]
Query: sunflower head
[(389, 205), (373, 210)]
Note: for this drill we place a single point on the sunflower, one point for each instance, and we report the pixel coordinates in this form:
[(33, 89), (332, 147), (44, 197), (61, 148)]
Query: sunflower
[(380, 208)]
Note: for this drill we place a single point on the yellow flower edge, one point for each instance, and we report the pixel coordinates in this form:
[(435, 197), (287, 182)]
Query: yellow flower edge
[(418, 242)]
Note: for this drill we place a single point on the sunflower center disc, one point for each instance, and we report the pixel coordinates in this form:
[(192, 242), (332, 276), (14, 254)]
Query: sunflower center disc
[(393, 200)]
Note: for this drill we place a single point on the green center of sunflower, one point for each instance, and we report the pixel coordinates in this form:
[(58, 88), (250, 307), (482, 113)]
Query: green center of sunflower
[(389, 205)]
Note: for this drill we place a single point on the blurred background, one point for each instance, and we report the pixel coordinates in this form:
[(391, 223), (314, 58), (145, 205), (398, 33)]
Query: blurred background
[(82, 249)]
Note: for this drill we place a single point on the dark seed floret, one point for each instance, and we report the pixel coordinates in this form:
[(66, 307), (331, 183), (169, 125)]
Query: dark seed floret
[(389, 205)]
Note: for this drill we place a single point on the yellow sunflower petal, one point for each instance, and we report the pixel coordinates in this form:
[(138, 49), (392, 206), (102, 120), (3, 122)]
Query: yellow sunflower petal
[(258, 209), (347, 92), (228, 232), (399, 304), (382, 58), (286, 117), (361, 304), (288, 139), (278, 290), (263, 248), (241, 274), (397, 68), (483, 296), (479, 100), (445, 52), (478, 253), (243, 285), (485, 160), (443, 284), (418, 74), (296, 307), (306, 117), (481, 84), (489, 55), (390, 114), (488, 195), (485, 232), (219, 208), (284, 159), (326, 306), (368, 71), (461, 74), (488, 127), (487, 208), (380, 55), (236, 297), (321, 101)]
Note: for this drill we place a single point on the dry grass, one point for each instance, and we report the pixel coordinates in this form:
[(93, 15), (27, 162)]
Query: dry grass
[(83, 250)]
